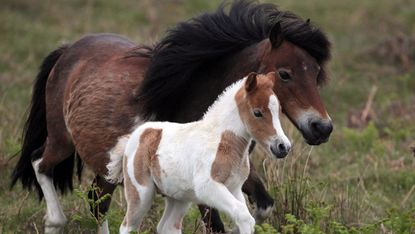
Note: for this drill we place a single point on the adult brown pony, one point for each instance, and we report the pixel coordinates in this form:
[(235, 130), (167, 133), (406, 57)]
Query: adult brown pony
[(89, 94)]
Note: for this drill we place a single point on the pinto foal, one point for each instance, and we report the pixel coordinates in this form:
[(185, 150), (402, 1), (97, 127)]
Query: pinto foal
[(204, 161)]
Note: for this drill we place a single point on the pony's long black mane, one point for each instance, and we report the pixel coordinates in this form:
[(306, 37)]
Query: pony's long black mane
[(212, 36)]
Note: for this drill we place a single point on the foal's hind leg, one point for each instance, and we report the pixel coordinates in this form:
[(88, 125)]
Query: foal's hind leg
[(55, 219), (171, 222), (104, 188), (139, 200)]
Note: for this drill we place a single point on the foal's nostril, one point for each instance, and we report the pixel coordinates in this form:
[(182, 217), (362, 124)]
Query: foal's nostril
[(280, 150)]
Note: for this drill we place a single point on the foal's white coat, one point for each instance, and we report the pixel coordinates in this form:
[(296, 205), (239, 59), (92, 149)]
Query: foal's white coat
[(185, 156)]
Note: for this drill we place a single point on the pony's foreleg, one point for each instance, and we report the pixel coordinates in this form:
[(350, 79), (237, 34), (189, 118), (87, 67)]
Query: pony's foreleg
[(138, 203), (172, 220), (211, 219), (101, 209), (256, 191), (217, 195), (55, 219)]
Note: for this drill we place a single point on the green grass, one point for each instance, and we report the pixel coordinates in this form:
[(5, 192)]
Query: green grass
[(361, 181)]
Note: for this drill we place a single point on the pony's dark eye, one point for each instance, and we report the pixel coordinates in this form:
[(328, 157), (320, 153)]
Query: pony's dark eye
[(285, 76), (258, 113)]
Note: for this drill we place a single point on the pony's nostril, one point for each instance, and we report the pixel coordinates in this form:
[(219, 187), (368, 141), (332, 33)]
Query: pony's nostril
[(322, 128), (281, 147)]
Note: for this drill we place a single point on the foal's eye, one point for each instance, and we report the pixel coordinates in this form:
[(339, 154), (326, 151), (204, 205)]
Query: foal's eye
[(285, 76), (257, 113)]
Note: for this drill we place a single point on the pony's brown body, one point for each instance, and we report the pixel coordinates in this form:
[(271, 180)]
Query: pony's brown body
[(95, 104), (89, 94)]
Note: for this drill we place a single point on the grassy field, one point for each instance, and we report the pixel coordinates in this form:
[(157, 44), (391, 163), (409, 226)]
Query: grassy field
[(361, 181)]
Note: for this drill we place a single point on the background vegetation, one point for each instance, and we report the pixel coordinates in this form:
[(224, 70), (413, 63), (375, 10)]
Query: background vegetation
[(362, 181)]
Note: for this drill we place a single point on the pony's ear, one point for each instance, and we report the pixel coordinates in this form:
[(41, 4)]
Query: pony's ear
[(275, 35), (250, 83)]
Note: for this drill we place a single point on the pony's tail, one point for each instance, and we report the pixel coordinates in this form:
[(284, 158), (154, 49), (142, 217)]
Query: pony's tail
[(115, 165), (35, 131)]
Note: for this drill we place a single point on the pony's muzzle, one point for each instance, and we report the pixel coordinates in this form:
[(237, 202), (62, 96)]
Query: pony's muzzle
[(280, 149), (321, 129)]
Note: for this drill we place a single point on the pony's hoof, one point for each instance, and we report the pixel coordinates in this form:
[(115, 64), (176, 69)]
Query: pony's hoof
[(54, 229), (262, 214), (54, 226)]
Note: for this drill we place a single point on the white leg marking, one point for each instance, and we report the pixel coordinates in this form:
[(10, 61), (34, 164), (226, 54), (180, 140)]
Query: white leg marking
[(167, 210), (217, 195), (55, 219), (103, 228), (172, 224)]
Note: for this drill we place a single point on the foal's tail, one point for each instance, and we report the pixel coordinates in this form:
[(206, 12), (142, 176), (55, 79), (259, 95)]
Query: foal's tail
[(34, 131), (115, 165)]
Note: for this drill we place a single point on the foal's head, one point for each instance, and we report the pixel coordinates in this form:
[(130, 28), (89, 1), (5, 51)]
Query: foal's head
[(259, 110)]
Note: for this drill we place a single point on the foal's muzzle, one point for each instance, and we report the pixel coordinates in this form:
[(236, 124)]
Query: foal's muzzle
[(280, 149)]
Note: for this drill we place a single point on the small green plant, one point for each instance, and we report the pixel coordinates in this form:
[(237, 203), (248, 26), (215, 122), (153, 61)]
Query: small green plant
[(265, 228), (91, 221), (363, 140), (400, 222)]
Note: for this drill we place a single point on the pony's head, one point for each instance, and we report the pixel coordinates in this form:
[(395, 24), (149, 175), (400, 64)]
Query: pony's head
[(259, 110), (298, 76)]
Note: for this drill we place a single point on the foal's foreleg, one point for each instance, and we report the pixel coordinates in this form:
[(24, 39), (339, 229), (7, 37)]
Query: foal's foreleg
[(104, 188), (217, 195)]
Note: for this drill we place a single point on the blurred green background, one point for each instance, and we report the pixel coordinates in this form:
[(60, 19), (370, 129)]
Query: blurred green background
[(361, 181)]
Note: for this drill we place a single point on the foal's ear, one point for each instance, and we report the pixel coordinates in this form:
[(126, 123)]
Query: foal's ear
[(250, 83), (275, 35)]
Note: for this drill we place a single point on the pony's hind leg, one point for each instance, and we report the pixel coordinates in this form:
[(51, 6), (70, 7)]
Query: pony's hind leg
[(54, 153), (103, 188), (171, 222), (55, 219)]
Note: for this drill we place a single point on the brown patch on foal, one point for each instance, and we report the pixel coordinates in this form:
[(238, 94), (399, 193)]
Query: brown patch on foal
[(228, 156), (145, 160)]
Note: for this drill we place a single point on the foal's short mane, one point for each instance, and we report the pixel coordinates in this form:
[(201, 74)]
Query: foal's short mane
[(191, 45)]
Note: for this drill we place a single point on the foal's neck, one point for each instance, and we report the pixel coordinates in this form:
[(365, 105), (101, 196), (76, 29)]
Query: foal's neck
[(223, 115)]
